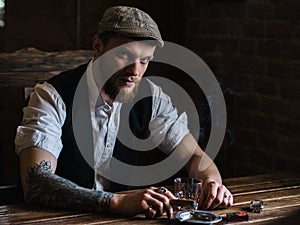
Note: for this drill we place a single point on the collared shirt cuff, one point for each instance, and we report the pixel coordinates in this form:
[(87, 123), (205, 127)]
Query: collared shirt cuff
[(27, 137), (175, 134)]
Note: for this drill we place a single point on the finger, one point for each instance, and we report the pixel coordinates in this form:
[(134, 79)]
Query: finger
[(166, 203), (220, 198), (230, 200), (201, 198), (211, 193), (169, 195), (166, 192), (150, 212), (225, 201), (157, 205)]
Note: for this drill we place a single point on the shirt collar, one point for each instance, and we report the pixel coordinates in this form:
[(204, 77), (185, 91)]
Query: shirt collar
[(96, 100)]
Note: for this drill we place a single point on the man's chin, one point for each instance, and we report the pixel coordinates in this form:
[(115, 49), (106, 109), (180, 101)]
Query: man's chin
[(127, 94)]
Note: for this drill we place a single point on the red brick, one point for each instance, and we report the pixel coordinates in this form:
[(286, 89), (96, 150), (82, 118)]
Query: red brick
[(257, 2), (270, 48), (240, 84), (202, 44), (254, 65), (242, 118), (259, 10), (289, 128), (279, 29), (225, 45), (234, 26), (192, 26), (266, 86), (282, 108), (281, 68), (290, 88), (254, 28), (269, 141), (229, 99), (265, 123), (233, 9), (271, 105), (260, 157), (211, 26), (292, 110), (204, 10), (246, 168), (287, 9), (246, 137), (233, 65), (291, 50), (297, 31), (248, 46), (287, 165), (296, 68), (240, 153), (289, 146), (213, 60), (247, 102)]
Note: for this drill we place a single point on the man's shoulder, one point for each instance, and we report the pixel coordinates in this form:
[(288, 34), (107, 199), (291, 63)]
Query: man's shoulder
[(153, 87), (66, 82), (68, 77)]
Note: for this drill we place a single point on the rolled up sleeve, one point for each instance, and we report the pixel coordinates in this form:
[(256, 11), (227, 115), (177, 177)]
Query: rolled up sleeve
[(166, 121), (42, 121)]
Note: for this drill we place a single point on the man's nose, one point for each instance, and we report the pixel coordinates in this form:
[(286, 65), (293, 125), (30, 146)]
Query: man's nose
[(134, 69)]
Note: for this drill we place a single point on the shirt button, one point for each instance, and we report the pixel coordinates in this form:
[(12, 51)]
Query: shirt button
[(108, 145)]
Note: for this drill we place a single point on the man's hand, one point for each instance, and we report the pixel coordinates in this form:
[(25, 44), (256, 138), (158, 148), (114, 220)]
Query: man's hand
[(214, 195), (148, 201)]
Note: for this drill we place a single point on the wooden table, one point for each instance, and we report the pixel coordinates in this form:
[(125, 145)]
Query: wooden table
[(280, 193)]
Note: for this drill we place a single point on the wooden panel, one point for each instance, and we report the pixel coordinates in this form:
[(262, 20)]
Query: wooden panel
[(28, 66)]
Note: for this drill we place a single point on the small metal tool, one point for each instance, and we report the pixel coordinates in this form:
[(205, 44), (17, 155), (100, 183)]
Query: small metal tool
[(257, 206)]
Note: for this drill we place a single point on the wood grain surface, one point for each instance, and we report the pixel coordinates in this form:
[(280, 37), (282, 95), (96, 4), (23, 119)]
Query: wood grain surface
[(280, 193), (28, 66)]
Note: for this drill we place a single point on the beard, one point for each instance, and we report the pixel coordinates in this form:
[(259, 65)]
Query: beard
[(121, 93)]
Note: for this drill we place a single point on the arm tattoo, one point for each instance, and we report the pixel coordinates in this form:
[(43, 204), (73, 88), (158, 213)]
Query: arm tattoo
[(46, 188)]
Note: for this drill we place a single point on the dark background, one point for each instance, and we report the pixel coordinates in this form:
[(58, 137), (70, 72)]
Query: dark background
[(252, 46)]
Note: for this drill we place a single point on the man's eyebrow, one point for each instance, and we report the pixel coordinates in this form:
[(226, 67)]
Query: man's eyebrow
[(150, 57), (132, 53)]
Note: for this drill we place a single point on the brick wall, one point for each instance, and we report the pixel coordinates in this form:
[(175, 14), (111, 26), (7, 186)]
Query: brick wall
[(253, 47)]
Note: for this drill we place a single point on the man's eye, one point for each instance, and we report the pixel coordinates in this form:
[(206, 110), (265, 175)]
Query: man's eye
[(145, 60)]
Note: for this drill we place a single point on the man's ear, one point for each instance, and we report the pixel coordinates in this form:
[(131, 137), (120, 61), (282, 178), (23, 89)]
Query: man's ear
[(97, 46)]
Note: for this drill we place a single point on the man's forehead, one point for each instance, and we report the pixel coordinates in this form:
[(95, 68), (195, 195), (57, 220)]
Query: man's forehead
[(119, 43)]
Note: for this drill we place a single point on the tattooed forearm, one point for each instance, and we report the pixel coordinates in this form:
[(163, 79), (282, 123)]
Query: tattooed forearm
[(46, 188)]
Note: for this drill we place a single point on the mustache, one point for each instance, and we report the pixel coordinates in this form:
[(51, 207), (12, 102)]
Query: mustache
[(131, 78)]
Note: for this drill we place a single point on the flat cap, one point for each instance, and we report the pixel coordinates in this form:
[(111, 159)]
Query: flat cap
[(129, 22)]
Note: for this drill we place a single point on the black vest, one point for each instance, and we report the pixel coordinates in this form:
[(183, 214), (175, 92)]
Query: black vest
[(71, 164)]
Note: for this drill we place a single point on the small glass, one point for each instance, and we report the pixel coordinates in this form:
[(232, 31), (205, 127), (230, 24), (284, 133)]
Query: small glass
[(188, 189)]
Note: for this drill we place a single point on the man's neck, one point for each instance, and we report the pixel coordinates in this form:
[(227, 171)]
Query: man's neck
[(106, 98)]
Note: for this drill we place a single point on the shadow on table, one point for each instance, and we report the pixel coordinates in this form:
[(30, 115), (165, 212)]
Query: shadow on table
[(293, 219)]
